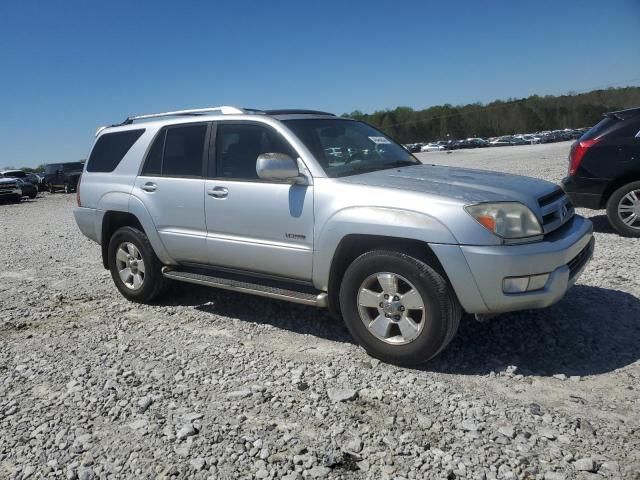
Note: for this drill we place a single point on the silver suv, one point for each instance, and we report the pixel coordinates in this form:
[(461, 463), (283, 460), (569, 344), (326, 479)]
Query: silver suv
[(312, 208)]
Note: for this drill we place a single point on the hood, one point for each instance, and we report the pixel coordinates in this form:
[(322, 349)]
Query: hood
[(463, 184), (7, 180)]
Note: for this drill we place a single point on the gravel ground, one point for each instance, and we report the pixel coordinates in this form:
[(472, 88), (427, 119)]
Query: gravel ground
[(211, 384)]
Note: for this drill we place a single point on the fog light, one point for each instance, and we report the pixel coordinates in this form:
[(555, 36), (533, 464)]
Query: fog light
[(515, 284), (524, 284), (537, 282)]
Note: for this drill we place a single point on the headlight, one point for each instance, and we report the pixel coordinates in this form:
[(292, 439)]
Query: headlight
[(506, 219)]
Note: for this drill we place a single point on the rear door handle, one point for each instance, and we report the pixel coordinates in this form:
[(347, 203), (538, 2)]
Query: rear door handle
[(218, 192), (149, 187)]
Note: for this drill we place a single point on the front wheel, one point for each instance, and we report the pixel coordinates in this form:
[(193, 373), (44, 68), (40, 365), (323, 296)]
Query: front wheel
[(399, 308), (623, 210), (134, 267)]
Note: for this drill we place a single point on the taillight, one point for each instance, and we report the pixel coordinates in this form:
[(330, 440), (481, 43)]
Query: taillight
[(578, 150), (78, 190)]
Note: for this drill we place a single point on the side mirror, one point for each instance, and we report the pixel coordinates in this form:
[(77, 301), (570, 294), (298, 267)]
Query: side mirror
[(278, 166)]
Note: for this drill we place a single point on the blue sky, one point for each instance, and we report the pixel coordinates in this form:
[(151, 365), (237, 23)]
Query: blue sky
[(70, 66)]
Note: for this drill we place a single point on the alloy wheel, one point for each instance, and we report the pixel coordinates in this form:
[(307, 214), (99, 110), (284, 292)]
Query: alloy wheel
[(629, 209), (391, 308), (130, 265)]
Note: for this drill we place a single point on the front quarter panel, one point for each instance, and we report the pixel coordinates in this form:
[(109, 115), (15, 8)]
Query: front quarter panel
[(345, 211)]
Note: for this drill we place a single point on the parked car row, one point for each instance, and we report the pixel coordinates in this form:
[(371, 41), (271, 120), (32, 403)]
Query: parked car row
[(16, 184), (547, 136)]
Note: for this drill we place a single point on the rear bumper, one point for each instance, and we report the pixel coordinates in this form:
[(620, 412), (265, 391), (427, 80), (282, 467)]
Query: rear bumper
[(86, 218), (479, 287), (586, 192)]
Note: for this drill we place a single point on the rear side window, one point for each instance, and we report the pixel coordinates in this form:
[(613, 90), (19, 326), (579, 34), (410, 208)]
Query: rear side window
[(177, 152), (110, 149)]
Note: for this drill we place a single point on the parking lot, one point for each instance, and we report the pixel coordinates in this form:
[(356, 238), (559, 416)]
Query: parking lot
[(213, 384)]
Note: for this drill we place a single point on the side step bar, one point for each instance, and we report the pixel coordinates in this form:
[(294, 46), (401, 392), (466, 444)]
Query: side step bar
[(277, 290)]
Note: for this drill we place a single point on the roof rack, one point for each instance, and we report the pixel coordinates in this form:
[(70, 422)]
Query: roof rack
[(225, 110), (296, 111)]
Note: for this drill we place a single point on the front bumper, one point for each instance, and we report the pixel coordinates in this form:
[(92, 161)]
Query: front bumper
[(13, 193), (563, 255)]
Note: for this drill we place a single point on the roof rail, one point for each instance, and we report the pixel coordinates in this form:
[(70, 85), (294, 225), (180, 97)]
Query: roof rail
[(295, 111), (225, 110)]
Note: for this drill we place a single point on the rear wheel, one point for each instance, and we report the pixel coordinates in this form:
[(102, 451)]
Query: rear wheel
[(623, 210), (134, 267), (399, 308), (67, 188)]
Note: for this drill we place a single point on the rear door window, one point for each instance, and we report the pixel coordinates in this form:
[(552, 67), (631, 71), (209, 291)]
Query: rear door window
[(177, 152), (110, 149)]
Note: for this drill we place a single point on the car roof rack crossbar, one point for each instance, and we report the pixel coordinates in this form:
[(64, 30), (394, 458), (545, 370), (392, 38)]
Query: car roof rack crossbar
[(225, 110)]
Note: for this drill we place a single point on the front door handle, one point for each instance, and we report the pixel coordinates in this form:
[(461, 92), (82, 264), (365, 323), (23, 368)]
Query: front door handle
[(149, 187), (218, 192)]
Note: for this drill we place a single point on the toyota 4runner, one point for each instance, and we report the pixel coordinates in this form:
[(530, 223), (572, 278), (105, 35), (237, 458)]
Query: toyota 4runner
[(312, 208)]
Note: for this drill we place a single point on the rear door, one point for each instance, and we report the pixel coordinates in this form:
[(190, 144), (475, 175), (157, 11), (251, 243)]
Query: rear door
[(171, 186), (253, 224)]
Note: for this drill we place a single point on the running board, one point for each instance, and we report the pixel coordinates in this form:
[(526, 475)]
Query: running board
[(243, 284)]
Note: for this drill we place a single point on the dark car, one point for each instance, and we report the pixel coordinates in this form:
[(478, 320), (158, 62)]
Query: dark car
[(10, 190), (36, 179), (28, 188), (604, 170), (63, 176)]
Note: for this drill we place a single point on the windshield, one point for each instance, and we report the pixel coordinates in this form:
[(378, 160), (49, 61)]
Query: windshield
[(348, 147)]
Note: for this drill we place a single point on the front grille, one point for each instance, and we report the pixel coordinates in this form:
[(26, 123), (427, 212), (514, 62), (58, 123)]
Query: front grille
[(7, 187), (551, 197), (579, 261), (556, 210)]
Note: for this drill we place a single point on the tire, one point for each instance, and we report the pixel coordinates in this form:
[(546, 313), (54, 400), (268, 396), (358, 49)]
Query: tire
[(153, 284), (33, 195), (67, 188), (17, 199), (437, 321), (624, 198)]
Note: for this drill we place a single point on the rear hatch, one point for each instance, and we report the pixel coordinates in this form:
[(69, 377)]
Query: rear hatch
[(610, 137)]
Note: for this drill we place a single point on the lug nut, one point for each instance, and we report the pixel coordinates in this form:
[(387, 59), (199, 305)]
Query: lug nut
[(402, 308), (396, 298), (397, 317), (381, 304), (386, 296)]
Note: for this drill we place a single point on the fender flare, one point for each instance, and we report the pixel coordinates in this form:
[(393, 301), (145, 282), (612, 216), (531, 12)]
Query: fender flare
[(375, 221)]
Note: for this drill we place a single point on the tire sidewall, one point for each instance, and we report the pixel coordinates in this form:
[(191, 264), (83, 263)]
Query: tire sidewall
[(428, 283), (152, 267), (612, 210)]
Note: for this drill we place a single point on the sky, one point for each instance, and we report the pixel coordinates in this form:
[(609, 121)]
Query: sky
[(67, 67)]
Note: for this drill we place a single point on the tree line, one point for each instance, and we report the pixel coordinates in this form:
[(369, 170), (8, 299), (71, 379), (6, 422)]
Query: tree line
[(501, 117)]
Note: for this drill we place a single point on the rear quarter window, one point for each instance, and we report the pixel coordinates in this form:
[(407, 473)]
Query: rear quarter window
[(110, 149)]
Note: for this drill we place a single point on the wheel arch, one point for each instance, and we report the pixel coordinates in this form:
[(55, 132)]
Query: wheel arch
[(618, 182), (353, 245)]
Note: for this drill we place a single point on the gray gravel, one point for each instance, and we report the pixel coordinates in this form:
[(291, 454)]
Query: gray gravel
[(210, 384)]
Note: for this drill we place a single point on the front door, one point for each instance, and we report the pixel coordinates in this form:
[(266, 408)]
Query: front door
[(253, 224), (171, 186)]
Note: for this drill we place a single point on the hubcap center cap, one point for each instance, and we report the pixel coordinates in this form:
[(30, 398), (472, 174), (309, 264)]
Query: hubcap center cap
[(392, 307)]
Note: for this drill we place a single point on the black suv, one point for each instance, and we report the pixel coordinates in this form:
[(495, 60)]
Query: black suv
[(604, 170), (63, 176)]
